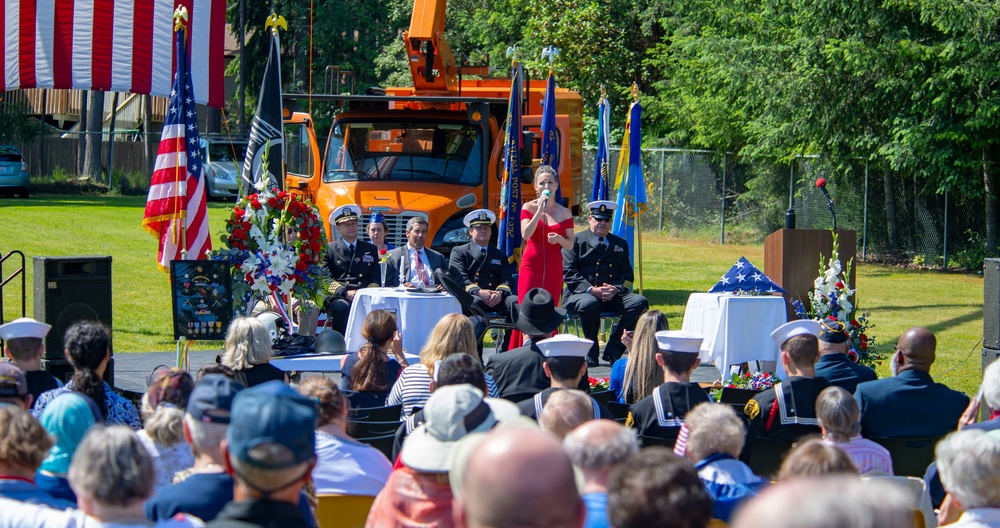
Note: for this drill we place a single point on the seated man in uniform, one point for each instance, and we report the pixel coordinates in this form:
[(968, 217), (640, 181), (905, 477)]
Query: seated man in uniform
[(661, 414), (834, 366), (353, 265), (598, 275), (910, 404), (520, 371), (565, 365), (24, 344), (413, 263), (787, 411), (483, 270)]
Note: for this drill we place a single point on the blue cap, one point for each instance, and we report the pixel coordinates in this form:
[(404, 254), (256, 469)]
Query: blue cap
[(272, 427), (377, 218), (212, 398)]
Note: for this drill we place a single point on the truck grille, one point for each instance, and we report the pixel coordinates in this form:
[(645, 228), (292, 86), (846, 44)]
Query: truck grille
[(395, 232)]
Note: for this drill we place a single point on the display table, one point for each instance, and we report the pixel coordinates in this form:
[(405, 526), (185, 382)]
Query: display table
[(416, 314), (737, 329)]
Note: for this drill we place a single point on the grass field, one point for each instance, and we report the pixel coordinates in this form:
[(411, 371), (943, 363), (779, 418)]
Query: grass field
[(949, 304)]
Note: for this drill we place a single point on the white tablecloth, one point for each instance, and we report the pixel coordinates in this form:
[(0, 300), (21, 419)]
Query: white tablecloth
[(416, 314), (320, 362), (737, 329)]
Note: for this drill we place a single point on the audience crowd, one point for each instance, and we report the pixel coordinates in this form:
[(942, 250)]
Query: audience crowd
[(519, 441)]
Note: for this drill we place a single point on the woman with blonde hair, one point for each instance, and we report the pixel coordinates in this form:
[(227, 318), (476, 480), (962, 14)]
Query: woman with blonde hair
[(343, 465), (452, 335), (370, 372), (247, 351), (163, 408), (634, 380)]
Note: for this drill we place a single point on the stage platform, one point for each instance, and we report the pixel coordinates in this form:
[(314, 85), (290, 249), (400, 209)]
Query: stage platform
[(131, 368)]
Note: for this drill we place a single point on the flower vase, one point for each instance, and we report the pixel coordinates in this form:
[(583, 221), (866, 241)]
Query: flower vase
[(383, 265)]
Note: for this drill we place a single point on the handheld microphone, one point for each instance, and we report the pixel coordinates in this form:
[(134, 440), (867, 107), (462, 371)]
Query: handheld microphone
[(545, 196), (821, 184)]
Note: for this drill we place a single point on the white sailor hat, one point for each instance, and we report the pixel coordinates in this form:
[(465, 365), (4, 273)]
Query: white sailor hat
[(795, 328), (602, 208), (565, 345), (345, 213), (24, 327), (678, 341), (480, 217)]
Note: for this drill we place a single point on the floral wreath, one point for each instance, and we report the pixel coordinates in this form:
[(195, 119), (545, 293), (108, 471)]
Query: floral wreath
[(829, 301), (275, 244)]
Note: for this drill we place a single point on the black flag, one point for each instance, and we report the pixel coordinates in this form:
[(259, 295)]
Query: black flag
[(266, 133)]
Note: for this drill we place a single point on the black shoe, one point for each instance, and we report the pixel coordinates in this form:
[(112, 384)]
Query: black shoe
[(592, 363), (609, 359)]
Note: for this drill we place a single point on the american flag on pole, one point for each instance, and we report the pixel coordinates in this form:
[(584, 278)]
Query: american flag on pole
[(175, 208), (110, 45)]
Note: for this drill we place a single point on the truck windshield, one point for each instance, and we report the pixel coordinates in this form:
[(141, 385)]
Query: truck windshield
[(421, 151)]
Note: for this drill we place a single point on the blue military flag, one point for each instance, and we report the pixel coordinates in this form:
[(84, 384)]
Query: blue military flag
[(744, 277), (629, 182), (602, 175), (509, 236), (550, 141)]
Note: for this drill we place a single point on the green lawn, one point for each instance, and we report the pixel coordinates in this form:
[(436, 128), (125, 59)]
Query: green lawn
[(949, 304)]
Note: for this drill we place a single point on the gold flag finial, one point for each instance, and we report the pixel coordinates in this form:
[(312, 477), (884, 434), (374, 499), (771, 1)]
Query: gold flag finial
[(276, 21), (604, 92), (635, 92), (180, 17)]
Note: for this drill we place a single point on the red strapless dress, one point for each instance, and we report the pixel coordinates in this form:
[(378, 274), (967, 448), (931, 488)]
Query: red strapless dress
[(541, 264)]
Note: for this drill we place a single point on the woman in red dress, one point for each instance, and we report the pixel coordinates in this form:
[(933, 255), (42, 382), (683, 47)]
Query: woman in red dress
[(547, 227)]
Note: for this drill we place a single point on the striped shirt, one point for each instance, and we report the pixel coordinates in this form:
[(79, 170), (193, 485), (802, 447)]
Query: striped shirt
[(413, 388), (866, 454)]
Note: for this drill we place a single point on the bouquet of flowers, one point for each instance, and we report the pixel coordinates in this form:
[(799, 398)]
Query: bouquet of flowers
[(757, 381), (274, 243), (599, 384), (830, 299)]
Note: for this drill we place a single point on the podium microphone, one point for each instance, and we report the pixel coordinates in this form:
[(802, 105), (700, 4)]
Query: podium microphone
[(821, 185)]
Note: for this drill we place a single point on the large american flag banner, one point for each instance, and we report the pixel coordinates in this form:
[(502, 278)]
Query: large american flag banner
[(110, 45), (177, 191)]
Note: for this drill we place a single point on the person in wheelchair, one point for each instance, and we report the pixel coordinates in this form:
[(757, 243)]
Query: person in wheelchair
[(483, 271)]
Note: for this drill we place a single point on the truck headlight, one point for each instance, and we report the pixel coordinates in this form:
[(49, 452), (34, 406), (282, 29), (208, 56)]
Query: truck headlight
[(457, 236)]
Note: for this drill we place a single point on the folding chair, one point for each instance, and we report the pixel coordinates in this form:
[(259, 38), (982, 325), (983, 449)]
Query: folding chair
[(343, 511)]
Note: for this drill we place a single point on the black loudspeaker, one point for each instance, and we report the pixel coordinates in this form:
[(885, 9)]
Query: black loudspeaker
[(991, 303), (67, 290)]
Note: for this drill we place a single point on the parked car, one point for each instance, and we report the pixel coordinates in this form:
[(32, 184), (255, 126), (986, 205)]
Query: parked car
[(13, 172), (223, 161)]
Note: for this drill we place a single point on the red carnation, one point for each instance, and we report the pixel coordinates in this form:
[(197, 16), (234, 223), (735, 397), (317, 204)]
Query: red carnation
[(272, 201), (283, 194), (302, 266), (239, 233), (839, 284), (382, 252), (255, 203)]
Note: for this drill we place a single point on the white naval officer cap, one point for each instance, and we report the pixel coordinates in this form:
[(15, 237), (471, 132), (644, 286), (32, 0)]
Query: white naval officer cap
[(795, 328), (480, 217), (678, 341), (565, 345), (344, 213), (24, 327)]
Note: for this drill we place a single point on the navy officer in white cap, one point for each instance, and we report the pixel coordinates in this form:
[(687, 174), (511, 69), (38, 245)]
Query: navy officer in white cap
[(565, 365), (661, 414), (598, 275), (353, 264), (482, 269), (24, 344), (787, 411)]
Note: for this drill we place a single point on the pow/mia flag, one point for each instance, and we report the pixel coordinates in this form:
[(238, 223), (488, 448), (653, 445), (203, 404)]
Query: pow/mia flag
[(744, 277), (266, 132)]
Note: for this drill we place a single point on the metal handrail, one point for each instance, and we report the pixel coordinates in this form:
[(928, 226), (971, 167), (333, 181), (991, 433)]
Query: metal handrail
[(7, 280)]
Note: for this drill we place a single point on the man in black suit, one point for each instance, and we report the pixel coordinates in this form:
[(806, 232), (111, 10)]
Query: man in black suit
[(519, 371), (483, 270), (598, 277), (834, 366), (413, 263), (353, 265), (910, 404)]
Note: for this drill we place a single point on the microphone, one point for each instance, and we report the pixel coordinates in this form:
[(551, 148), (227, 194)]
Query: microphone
[(545, 197), (821, 185)]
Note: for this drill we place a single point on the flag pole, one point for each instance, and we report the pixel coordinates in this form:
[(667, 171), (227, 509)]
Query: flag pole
[(180, 17), (638, 213)]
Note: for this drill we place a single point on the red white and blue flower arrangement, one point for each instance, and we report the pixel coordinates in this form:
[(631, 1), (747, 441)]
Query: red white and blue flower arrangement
[(830, 300)]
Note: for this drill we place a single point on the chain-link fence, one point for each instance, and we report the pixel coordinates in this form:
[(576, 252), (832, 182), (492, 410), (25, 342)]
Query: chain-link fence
[(897, 218)]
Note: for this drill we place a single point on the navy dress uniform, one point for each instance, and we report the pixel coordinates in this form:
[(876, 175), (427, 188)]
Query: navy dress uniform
[(352, 267), (34, 333), (835, 367), (592, 262), (909, 405), (786, 411), (561, 345), (661, 414)]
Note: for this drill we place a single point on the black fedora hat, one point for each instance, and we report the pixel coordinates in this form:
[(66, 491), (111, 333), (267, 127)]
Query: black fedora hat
[(536, 314)]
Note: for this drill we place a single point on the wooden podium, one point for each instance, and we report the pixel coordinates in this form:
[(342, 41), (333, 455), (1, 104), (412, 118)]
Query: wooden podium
[(792, 259)]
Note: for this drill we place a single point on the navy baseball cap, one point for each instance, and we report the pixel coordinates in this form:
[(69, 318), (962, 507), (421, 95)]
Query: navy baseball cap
[(272, 427), (212, 398)]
